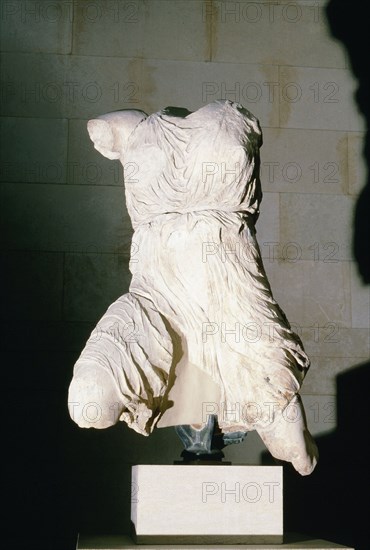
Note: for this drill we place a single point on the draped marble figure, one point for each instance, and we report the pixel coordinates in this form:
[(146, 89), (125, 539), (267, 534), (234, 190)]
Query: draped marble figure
[(199, 331)]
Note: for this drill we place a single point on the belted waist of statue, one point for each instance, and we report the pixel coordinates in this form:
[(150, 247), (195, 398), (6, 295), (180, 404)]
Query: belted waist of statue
[(241, 217)]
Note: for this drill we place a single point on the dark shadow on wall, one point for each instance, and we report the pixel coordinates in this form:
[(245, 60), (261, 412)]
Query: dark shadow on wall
[(349, 24), (331, 503)]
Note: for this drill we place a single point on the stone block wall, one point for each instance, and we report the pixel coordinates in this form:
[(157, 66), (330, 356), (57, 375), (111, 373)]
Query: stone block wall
[(66, 233)]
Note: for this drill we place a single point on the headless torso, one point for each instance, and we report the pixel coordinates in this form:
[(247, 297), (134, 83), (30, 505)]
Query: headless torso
[(207, 337)]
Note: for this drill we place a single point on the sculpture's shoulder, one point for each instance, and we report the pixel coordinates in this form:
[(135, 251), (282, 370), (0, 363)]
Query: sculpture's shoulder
[(230, 119), (218, 126), (111, 132), (222, 122)]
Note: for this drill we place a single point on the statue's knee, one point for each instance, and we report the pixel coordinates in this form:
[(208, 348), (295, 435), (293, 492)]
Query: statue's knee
[(93, 399)]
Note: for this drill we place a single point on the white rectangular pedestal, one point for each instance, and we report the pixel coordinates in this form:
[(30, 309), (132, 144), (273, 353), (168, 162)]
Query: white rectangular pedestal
[(207, 504)]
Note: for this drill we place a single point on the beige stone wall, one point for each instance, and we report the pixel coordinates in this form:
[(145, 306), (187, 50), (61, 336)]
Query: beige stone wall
[(68, 233)]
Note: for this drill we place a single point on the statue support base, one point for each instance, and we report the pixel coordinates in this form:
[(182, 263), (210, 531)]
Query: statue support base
[(209, 504)]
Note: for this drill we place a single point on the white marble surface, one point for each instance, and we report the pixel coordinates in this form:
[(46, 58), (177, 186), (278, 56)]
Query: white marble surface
[(217, 501), (195, 231)]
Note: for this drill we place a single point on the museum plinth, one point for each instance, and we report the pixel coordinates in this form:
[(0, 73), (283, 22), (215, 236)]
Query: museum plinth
[(206, 506)]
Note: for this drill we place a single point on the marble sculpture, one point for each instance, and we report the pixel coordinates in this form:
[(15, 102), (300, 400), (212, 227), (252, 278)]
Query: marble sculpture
[(199, 331)]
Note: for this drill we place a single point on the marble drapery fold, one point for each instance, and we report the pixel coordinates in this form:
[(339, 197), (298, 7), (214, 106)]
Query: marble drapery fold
[(199, 294)]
